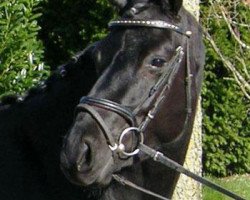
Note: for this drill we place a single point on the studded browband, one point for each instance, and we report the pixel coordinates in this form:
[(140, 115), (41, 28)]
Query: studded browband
[(149, 23)]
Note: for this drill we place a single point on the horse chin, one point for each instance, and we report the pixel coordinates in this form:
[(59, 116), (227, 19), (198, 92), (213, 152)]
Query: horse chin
[(98, 178), (105, 174)]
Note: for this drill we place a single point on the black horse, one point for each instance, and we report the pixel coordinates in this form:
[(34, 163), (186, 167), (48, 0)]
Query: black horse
[(31, 134), (147, 94)]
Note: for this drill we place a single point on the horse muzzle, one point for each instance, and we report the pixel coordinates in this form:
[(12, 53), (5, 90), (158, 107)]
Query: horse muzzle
[(83, 164)]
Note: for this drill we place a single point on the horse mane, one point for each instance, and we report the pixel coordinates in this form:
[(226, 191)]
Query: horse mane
[(32, 128)]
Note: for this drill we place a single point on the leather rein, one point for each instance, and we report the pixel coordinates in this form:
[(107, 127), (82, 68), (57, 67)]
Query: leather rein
[(155, 98)]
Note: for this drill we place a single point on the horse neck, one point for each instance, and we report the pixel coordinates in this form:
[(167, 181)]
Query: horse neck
[(31, 136)]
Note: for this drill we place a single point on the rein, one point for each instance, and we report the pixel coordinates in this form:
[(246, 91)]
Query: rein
[(161, 87), (161, 158)]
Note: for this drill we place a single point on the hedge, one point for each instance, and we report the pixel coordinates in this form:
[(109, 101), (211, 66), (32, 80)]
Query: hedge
[(21, 52), (69, 26), (226, 124)]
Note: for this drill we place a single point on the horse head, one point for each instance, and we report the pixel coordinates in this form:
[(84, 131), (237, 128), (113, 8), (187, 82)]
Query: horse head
[(153, 60)]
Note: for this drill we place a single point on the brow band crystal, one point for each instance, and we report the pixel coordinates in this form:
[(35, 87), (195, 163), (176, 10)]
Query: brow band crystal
[(149, 23)]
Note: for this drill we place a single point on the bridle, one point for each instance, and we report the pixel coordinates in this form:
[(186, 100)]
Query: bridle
[(161, 86), (156, 96)]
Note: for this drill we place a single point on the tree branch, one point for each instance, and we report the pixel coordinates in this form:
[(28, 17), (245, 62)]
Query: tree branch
[(222, 9), (243, 84)]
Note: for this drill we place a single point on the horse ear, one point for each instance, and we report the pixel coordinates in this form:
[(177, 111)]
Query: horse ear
[(175, 5), (120, 4)]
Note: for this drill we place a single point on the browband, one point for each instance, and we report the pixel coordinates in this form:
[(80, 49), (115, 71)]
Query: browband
[(148, 23)]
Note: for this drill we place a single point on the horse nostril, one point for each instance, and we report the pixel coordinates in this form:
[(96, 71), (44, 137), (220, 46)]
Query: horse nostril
[(86, 152), (84, 158)]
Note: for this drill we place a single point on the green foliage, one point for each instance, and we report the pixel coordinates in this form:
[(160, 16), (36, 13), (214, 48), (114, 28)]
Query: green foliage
[(69, 26), (226, 125), (34, 32), (20, 51)]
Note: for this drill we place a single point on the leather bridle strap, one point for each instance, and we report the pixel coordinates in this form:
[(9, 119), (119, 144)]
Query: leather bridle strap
[(111, 106), (164, 84), (161, 158), (165, 81), (86, 104), (148, 23), (94, 114), (126, 182)]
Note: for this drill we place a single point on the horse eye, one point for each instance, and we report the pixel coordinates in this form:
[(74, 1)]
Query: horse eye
[(158, 62)]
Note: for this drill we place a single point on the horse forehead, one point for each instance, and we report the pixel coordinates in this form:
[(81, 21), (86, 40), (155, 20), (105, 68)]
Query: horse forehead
[(140, 40)]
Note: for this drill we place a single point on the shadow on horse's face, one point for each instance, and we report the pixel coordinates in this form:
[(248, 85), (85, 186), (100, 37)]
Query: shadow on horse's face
[(140, 59)]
